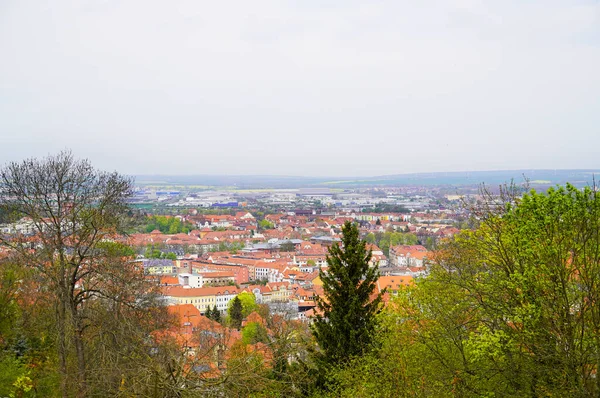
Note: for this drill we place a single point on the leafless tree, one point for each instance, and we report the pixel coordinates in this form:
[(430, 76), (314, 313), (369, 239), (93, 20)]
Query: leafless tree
[(72, 209)]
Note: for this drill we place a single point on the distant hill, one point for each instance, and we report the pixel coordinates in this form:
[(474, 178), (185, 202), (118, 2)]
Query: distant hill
[(537, 178)]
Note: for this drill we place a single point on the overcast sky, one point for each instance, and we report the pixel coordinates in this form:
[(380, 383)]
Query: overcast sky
[(333, 88)]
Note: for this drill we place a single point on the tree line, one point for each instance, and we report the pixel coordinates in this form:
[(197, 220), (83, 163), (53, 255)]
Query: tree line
[(167, 225)]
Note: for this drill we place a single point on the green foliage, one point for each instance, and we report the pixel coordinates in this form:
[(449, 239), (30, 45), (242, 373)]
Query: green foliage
[(216, 315), (171, 256), (209, 312), (235, 313), (530, 274), (167, 225), (467, 223), (254, 333), (153, 252), (430, 243), (14, 378), (287, 247), (265, 224), (232, 247), (509, 309), (115, 249), (345, 326), (213, 313), (385, 240), (403, 365), (10, 276), (248, 301), (26, 352)]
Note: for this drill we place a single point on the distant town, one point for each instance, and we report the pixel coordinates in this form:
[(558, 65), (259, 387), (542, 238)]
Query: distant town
[(273, 242)]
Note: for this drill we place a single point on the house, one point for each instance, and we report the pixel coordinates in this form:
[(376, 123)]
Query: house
[(202, 297), (406, 256), (220, 264), (215, 278), (278, 292), (244, 215), (190, 280), (393, 283), (310, 260), (159, 267)]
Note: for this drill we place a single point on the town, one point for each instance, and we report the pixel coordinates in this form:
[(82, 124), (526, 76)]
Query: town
[(231, 291), (228, 244), (240, 243), (202, 250)]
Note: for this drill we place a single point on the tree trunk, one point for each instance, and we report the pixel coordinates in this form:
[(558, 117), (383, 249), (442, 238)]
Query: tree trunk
[(61, 312), (597, 376), (81, 366), (79, 350)]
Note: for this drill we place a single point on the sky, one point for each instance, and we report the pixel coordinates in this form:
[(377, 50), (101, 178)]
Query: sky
[(307, 88)]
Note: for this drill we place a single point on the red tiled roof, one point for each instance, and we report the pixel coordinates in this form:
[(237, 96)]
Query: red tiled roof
[(180, 291)]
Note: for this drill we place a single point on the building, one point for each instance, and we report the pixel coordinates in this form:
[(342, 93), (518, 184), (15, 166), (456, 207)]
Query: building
[(408, 256), (202, 297), (159, 267)]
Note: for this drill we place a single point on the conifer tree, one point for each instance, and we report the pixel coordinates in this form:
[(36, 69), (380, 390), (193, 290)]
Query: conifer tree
[(209, 312), (344, 327), (235, 314), (216, 315)]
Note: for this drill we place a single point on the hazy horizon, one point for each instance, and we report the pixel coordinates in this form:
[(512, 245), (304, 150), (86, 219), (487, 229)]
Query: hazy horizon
[(536, 178), (333, 88), (590, 170)]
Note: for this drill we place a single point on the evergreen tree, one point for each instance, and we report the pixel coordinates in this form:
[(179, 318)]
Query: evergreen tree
[(248, 301), (235, 314), (344, 327), (209, 313), (216, 315)]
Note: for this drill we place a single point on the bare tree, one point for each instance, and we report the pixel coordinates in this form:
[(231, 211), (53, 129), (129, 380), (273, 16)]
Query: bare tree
[(72, 208)]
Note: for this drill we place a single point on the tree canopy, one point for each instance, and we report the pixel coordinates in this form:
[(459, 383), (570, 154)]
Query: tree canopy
[(248, 301), (387, 239), (235, 311), (509, 309), (78, 281), (167, 225), (265, 224), (346, 321)]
